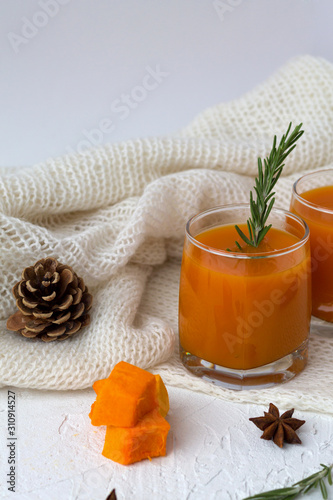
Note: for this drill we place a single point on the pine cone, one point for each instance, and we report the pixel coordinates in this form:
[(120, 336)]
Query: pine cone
[(53, 302)]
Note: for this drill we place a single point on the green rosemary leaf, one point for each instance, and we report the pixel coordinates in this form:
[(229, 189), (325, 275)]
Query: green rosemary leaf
[(263, 233), (253, 228), (308, 488), (242, 235), (260, 174), (269, 171), (288, 130), (309, 480), (254, 209), (266, 171), (249, 229), (299, 488), (270, 196), (268, 211), (323, 489), (238, 245), (260, 196), (279, 494), (276, 178)]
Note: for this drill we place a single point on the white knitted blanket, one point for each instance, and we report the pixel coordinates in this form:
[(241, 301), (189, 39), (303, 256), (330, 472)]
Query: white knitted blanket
[(116, 214)]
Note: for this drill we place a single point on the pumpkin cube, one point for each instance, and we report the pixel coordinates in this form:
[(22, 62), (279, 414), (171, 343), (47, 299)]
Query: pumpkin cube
[(97, 386), (147, 439), (161, 393), (162, 396), (124, 397)]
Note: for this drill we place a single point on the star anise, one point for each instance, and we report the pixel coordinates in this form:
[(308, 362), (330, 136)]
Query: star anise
[(278, 428), (112, 495)]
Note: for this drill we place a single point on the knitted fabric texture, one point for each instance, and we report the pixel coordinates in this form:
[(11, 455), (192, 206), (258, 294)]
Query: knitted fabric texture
[(117, 213)]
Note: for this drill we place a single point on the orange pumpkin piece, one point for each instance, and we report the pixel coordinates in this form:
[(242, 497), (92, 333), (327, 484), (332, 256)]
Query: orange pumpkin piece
[(161, 393), (97, 386), (147, 439), (124, 397), (162, 396)]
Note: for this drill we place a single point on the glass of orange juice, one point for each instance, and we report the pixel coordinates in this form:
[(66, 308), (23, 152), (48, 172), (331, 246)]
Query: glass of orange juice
[(244, 317), (312, 199)]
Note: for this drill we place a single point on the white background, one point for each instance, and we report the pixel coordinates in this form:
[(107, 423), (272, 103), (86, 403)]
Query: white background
[(58, 84), (62, 81)]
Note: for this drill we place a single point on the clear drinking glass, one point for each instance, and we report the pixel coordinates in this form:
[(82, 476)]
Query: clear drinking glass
[(312, 200), (244, 317)]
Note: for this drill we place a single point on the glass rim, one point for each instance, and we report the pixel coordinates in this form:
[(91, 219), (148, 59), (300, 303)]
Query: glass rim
[(309, 204), (238, 255)]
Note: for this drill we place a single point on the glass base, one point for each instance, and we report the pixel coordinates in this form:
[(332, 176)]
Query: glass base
[(278, 372), (321, 327)]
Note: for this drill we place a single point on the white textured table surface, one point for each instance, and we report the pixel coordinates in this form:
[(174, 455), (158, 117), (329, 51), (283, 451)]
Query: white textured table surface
[(213, 451), (61, 79)]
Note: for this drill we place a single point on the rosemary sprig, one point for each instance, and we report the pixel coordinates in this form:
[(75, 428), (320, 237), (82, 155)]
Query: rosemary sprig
[(299, 488), (264, 184)]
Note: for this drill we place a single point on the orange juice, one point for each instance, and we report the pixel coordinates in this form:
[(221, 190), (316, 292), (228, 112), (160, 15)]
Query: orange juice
[(243, 310), (315, 206)]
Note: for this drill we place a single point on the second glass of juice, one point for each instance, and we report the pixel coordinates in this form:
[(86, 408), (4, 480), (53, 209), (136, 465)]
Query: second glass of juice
[(244, 317), (312, 199)]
